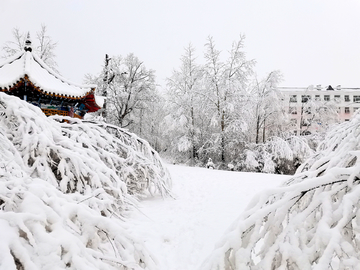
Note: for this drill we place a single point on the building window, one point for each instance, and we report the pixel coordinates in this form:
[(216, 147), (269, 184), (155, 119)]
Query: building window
[(293, 98), (292, 110), (305, 98), (347, 98), (327, 97), (337, 98), (357, 99), (317, 97), (305, 123), (293, 122), (306, 132), (347, 110), (307, 110)]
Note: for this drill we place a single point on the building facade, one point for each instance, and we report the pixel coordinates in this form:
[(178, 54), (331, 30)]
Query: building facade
[(314, 108)]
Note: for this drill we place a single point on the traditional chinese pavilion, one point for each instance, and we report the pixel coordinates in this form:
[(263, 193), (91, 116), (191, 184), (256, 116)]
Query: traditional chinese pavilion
[(26, 76)]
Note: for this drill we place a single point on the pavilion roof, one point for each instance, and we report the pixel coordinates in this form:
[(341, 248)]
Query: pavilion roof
[(27, 64)]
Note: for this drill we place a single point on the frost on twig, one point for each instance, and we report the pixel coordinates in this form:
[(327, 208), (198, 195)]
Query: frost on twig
[(310, 222), (64, 187)]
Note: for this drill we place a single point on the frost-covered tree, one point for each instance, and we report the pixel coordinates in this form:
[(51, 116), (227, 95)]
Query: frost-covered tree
[(44, 45), (310, 222), (184, 98), (266, 107), (152, 125), (317, 114), (129, 88), (65, 188), (225, 83)]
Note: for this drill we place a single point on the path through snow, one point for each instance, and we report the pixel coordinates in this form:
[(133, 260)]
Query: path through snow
[(182, 232)]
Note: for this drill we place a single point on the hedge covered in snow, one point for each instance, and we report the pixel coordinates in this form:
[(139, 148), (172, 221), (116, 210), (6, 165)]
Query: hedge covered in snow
[(65, 186), (311, 222)]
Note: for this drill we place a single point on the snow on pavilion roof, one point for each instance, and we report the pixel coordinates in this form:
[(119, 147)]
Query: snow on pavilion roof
[(27, 64)]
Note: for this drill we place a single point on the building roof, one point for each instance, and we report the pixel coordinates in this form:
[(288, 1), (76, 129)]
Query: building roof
[(318, 88), (27, 64)]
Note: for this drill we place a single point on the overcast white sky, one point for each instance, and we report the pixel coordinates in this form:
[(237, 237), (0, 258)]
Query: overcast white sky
[(309, 41)]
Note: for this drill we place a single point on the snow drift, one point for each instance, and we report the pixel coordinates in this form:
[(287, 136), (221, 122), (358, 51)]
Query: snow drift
[(65, 188), (311, 222)]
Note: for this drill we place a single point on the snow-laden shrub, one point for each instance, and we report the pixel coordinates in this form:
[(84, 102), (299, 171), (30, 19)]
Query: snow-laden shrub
[(248, 162), (76, 156), (43, 228), (132, 158), (311, 222), (256, 158), (64, 187), (277, 155)]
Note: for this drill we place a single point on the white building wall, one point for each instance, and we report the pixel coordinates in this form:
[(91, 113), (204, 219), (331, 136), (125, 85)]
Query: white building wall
[(347, 101)]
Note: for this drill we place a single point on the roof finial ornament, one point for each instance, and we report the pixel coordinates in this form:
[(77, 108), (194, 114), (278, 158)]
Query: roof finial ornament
[(28, 47)]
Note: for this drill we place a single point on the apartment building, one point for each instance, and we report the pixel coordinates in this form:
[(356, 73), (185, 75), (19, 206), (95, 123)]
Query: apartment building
[(315, 107)]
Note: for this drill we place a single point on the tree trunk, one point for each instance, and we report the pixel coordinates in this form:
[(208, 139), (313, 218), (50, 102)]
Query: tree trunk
[(193, 154), (257, 129), (140, 124), (223, 137), (264, 132)]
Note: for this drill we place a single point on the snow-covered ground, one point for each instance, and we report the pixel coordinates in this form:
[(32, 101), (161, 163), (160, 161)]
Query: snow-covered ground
[(182, 231)]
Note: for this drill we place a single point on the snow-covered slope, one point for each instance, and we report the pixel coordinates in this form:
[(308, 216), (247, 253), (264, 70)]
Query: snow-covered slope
[(182, 231), (65, 187)]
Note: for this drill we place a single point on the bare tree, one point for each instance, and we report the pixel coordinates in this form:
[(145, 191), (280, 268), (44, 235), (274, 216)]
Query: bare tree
[(44, 47), (17, 44)]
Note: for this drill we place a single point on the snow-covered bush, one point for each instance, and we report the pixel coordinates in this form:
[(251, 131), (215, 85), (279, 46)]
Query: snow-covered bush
[(76, 155), (277, 155), (43, 228), (132, 158), (64, 188), (210, 164), (311, 222)]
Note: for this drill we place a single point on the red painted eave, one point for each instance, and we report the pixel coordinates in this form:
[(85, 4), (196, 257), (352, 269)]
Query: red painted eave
[(91, 104)]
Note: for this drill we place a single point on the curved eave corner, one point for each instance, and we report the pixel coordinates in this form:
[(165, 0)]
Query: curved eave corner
[(90, 103)]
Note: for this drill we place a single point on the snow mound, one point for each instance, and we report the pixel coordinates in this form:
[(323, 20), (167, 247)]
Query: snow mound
[(65, 185), (310, 222)]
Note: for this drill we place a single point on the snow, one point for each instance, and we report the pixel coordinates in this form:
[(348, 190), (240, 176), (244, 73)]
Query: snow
[(100, 100), (68, 189), (182, 231), (68, 195)]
